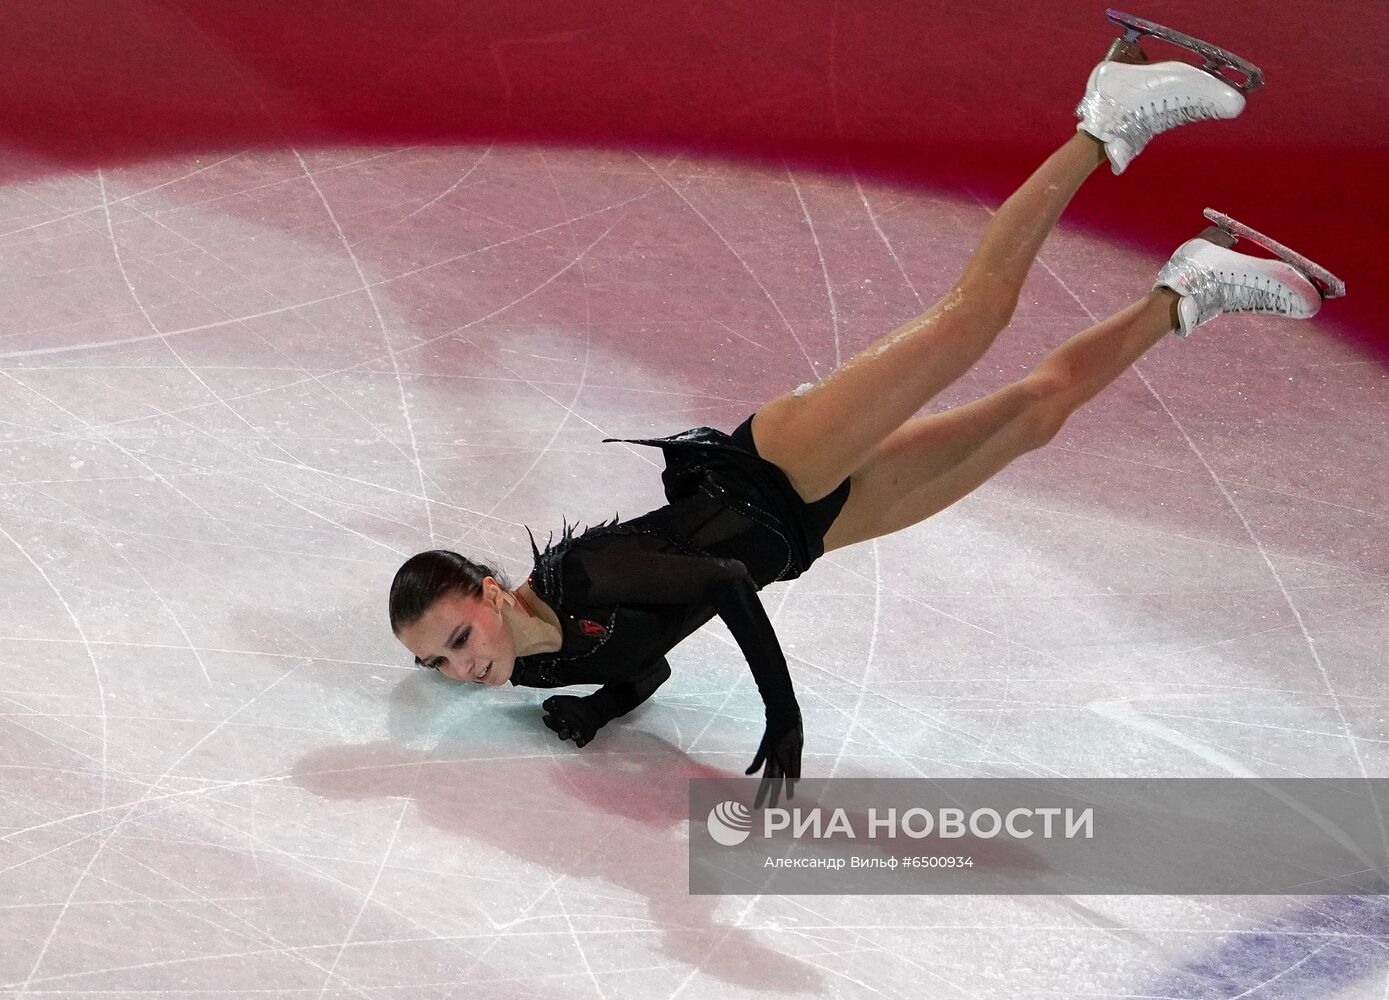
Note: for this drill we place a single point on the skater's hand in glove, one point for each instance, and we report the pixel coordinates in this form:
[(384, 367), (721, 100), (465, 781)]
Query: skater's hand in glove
[(781, 750), (573, 718)]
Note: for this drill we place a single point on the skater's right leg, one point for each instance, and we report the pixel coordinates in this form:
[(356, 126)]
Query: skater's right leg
[(930, 462)]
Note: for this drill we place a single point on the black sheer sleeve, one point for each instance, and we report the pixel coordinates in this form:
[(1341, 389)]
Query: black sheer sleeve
[(614, 700), (631, 575), (580, 719)]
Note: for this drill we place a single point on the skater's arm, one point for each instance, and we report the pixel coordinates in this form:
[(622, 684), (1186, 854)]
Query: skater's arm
[(617, 699), (619, 576), (579, 719), (639, 576)]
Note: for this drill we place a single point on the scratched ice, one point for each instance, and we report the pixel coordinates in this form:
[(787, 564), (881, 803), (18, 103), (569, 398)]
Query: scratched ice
[(240, 389)]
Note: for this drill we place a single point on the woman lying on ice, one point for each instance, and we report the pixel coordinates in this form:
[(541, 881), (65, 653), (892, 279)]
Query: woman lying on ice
[(846, 460)]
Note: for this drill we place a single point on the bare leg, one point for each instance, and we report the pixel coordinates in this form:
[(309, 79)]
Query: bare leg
[(929, 463), (822, 436)]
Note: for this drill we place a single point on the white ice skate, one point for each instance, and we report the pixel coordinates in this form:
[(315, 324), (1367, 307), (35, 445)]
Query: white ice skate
[(1213, 279), (1129, 100)]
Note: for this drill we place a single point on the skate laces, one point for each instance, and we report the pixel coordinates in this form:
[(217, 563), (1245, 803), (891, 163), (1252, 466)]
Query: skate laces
[(1163, 118), (1140, 125), (1256, 294), (1216, 290)]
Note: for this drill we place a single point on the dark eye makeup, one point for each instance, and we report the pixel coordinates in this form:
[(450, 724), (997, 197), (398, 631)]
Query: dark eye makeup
[(457, 644)]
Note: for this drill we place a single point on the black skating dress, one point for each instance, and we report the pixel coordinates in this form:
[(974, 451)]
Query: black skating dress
[(626, 592)]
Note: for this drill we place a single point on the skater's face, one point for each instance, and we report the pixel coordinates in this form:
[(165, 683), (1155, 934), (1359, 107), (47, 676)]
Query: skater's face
[(465, 638)]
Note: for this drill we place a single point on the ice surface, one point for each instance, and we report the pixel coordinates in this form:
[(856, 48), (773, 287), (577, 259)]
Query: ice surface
[(240, 389)]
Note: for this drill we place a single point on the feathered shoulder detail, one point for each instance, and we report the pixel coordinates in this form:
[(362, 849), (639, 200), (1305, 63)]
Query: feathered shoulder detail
[(547, 580)]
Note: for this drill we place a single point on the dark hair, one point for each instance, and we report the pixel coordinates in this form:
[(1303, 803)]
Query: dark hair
[(424, 578)]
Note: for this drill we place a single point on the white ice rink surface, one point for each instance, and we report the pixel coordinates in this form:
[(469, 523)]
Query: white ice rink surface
[(236, 391)]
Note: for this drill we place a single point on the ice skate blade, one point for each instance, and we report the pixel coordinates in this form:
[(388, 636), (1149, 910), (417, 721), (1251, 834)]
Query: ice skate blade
[(1216, 58), (1330, 286)]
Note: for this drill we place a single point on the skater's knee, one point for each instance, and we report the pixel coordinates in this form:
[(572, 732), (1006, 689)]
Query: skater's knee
[(1048, 383), (1048, 403), (990, 298)]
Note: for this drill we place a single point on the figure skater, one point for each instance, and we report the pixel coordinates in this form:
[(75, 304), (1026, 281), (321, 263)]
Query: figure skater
[(846, 460)]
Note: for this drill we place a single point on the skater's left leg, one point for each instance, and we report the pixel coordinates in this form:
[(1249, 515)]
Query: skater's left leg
[(930, 462), (824, 434), (819, 436)]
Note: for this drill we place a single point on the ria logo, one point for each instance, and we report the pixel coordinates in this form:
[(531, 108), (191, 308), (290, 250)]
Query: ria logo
[(730, 823)]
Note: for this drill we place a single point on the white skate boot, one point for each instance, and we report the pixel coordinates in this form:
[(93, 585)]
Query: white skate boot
[(1213, 279), (1128, 100)]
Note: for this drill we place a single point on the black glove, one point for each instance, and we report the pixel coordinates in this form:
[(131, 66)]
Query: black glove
[(573, 718), (781, 749)]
